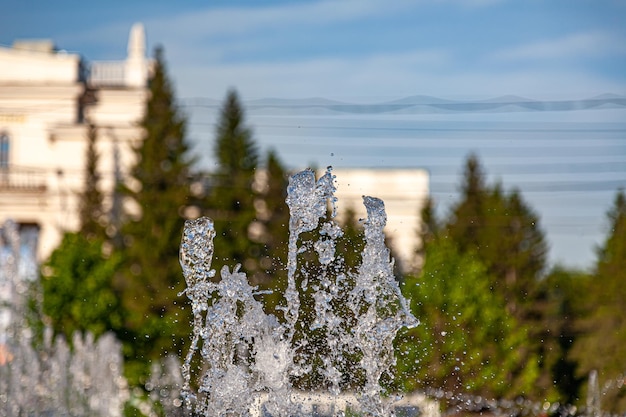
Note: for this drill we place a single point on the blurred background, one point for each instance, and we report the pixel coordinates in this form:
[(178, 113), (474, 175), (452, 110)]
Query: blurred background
[(393, 64), (495, 131)]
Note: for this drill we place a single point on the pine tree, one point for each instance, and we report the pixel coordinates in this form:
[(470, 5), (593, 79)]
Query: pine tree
[(77, 287), (562, 301), (77, 278), (231, 201), (350, 245), (274, 216), (611, 263), (91, 199), (504, 232), (157, 322), (429, 227), (466, 342), (468, 217), (602, 346)]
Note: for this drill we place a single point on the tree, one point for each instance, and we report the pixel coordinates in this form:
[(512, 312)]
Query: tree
[(466, 342), (231, 201), (273, 214), (158, 189), (602, 345), (77, 278), (429, 228), (91, 208), (350, 245), (504, 232), (561, 300), (467, 221), (78, 295)]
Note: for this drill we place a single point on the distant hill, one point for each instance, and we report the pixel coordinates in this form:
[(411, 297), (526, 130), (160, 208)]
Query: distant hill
[(420, 100), (418, 104)]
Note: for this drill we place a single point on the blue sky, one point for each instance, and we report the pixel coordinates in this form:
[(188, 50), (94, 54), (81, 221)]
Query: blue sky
[(568, 164), (353, 49)]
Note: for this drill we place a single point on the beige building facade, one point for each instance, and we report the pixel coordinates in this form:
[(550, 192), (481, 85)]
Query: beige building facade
[(404, 192), (48, 98)]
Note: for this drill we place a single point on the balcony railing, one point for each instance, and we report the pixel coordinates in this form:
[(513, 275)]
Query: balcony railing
[(107, 73), (14, 178)]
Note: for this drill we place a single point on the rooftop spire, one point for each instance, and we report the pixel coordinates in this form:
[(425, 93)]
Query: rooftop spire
[(137, 42), (136, 63)]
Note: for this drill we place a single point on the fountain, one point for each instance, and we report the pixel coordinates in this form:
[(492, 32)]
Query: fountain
[(334, 327), (251, 363), (52, 379)]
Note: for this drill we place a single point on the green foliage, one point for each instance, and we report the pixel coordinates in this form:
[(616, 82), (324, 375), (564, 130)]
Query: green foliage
[(309, 340), (503, 231), (351, 244), (273, 214), (500, 231), (430, 226), (602, 344), (231, 201), (313, 281), (156, 320), (561, 301), (352, 413), (90, 211), (77, 287), (611, 263), (77, 284), (466, 341)]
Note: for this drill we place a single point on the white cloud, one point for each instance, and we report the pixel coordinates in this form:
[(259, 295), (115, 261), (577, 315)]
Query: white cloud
[(201, 26), (577, 45), (477, 3), (237, 21), (241, 20), (312, 77), (196, 43), (204, 32), (384, 76)]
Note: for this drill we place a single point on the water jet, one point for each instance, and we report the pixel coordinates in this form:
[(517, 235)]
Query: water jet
[(251, 360)]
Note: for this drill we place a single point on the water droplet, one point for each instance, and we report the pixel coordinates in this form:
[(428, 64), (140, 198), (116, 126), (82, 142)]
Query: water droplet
[(231, 322)]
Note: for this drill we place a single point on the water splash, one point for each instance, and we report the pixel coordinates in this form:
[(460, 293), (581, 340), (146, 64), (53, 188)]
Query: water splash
[(249, 359), (53, 379)]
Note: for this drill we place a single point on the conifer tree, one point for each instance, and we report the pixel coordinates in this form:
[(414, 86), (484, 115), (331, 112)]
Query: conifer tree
[(350, 245), (273, 214), (504, 233), (231, 201), (468, 217), (156, 321), (466, 342), (602, 344), (276, 214), (77, 278), (562, 301), (78, 295), (91, 198), (429, 227)]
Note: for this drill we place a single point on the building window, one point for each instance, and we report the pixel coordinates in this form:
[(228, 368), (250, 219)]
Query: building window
[(29, 237), (4, 150), (23, 237)]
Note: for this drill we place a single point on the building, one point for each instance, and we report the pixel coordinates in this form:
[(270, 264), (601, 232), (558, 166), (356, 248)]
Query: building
[(404, 192), (48, 98)]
